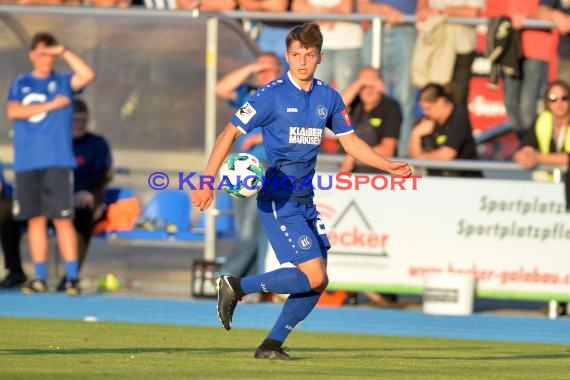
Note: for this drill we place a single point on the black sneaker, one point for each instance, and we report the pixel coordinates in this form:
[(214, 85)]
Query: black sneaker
[(228, 297), (62, 284), (35, 286), (272, 354), (13, 280), (72, 287)]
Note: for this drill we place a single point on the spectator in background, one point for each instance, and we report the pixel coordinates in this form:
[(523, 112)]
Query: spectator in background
[(397, 45), (91, 176), (463, 40), (342, 41), (207, 5), (251, 241), (444, 133), (376, 117), (8, 227), (40, 101), (271, 34), (559, 13), (548, 141), (523, 93)]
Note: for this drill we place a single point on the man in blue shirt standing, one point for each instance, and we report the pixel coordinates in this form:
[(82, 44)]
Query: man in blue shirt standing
[(39, 103), (292, 113)]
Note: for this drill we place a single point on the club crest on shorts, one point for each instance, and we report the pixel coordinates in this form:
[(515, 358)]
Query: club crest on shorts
[(305, 242)]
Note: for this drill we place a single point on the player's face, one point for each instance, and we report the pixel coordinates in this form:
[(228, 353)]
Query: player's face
[(558, 101), (79, 124), (302, 61), (43, 62)]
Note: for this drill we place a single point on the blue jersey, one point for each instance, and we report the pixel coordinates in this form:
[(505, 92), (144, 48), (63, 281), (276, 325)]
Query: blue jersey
[(44, 140), (292, 122)]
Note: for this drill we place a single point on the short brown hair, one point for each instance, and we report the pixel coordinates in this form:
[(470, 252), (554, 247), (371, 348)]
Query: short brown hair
[(309, 35), (43, 37), (432, 92), (79, 106)]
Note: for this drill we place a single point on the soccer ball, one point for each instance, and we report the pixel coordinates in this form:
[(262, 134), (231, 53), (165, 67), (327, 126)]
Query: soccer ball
[(241, 175)]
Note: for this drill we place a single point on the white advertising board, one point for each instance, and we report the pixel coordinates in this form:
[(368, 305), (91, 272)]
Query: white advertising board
[(513, 236)]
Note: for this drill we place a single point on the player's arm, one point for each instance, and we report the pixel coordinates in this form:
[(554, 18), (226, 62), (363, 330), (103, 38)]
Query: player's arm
[(354, 146), (18, 111), (83, 74), (202, 198)]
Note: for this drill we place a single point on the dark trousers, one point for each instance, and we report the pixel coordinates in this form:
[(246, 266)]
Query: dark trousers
[(461, 78), (11, 232)]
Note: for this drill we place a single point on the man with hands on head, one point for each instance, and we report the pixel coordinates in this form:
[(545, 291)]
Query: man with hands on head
[(39, 104)]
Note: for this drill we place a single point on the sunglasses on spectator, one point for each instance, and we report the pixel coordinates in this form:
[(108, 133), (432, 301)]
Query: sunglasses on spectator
[(552, 98)]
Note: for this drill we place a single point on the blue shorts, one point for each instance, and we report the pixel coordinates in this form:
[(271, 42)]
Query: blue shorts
[(295, 230)]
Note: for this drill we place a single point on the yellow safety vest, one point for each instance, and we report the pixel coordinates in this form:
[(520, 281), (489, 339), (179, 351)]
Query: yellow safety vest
[(544, 129)]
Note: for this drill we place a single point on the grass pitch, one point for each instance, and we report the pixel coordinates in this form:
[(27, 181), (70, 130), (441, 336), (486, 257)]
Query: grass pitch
[(56, 349)]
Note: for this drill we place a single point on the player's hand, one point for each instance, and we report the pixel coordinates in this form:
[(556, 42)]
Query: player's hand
[(60, 101), (202, 198), (399, 168), (52, 50), (84, 199)]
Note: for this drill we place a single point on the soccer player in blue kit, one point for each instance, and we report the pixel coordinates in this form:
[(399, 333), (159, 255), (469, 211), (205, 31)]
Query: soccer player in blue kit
[(292, 113), (39, 103)]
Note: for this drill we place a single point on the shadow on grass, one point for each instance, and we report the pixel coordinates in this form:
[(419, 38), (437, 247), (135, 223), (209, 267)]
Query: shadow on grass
[(84, 351)]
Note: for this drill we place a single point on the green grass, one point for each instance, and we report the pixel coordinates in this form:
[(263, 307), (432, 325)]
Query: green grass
[(55, 349)]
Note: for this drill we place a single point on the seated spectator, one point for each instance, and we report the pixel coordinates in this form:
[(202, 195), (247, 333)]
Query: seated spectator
[(548, 141), (444, 132), (92, 174), (376, 117)]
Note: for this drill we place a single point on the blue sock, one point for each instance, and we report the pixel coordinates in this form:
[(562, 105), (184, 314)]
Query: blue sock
[(71, 270), (280, 281), (295, 309), (41, 270)]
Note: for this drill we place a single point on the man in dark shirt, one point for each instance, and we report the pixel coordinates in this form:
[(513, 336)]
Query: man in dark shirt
[(376, 117), (444, 133), (91, 175)]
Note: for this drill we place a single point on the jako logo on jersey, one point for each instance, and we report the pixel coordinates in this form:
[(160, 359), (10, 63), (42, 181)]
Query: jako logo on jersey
[(345, 116), (305, 242), (322, 111), (292, 109), (245, 113), (309, 136)]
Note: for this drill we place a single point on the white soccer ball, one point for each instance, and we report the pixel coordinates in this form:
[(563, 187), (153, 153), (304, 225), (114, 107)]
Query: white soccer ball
[(241, 175)]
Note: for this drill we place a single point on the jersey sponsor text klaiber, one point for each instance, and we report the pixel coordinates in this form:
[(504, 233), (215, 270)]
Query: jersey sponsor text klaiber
[(292, 122)]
